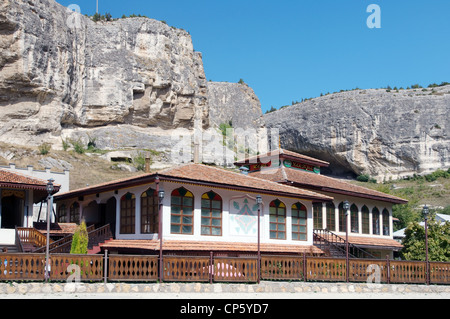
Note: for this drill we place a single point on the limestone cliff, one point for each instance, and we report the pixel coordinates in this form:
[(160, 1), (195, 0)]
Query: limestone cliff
[(236, 103), (61, 72), (384, 134)]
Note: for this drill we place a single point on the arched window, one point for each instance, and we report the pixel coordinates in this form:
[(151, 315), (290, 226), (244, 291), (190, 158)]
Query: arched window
[(149, 212), (375, 221), (386, 231), (127, 213), (365, 216), (74, 213), (354, 217), (342, 218), (277, 220), (62, 213), (331, 217), (182, 212), (211, 214), (317, 216), (299, 222)]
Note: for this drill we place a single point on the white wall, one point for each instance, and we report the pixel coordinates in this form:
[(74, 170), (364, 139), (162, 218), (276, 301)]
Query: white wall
[(360, 202), (228, 196)]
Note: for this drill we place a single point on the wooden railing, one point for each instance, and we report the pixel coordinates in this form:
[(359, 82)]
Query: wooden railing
[(32, 236), (282, 267), (26, 267), (326, 239), (30, 267), (325, 269), (132, 268), (87, 267), (185, 268), (98, 235), (64, 245), (235, 269)]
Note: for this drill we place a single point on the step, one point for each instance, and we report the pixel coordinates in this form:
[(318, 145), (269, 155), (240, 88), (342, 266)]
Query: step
[(97, 248)]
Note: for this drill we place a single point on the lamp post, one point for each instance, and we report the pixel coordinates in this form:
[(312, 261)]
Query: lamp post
[(50, 188), (346, 210), (259, 202), (160, 231), (425, 213)]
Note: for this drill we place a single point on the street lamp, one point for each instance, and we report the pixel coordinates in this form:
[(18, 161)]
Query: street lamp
[(50, 188), (426, 213), (346, 210), (161, 195), (259, 202)]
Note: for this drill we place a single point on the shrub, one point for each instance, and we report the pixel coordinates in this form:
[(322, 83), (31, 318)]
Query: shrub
[(78, 146), (139, 161), (44, 148), (80, 240), (365, 178), (65, 144)]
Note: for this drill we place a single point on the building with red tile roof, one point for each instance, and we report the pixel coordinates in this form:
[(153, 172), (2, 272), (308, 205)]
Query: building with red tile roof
[(370, 222), (18, 193), (204, 209)]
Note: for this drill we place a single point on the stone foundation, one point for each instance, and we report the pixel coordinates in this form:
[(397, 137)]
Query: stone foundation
[(193, 288)]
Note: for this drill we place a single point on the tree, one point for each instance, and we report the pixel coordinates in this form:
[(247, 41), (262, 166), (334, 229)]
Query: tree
[(96, 17), (438, 241), (80, 240), (108, 16)]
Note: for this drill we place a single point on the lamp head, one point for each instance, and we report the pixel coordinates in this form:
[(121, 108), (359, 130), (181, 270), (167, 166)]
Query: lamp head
[(426, 212), (50, 186), (346, 205)]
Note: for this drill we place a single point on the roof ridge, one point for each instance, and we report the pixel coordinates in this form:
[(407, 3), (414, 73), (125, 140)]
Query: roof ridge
[(362, 187), (33, 178), (261, 179)]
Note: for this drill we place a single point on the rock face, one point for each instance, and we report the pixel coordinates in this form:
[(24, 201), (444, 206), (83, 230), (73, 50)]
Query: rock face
[(62, 71), (235, 103), (129, 83), (384, 134)]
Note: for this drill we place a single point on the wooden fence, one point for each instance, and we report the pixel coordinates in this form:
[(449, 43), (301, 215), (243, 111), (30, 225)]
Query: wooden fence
[(91, 268)]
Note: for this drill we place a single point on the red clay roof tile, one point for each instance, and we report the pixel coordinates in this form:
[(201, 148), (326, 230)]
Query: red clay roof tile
[(322, 183), (174, 245)]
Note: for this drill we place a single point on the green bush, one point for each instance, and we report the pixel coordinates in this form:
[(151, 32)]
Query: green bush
[(437, 174), (44, 148), (78, 146), (365, 178), (80, 240), (139, 161), (65, 144)]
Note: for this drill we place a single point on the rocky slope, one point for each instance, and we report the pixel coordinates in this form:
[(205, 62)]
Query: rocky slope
[(384, 134), (126, 83), (234, 103)]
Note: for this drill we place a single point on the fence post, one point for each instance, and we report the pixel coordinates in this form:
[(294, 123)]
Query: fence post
[(105, 266), (304, 268), (211, 266), (388, 265)]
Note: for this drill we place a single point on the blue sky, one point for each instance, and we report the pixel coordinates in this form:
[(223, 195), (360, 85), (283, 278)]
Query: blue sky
[(287, 50)]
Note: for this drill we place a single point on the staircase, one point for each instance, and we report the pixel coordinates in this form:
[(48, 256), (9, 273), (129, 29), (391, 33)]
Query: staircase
[(29, 239), (335, 246), (36, 243), (97, 237)]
